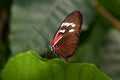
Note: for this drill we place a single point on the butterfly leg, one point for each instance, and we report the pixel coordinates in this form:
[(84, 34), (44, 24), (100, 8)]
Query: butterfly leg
[(64, 59)]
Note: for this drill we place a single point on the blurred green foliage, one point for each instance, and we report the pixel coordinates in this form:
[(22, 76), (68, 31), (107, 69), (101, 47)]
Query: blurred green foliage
[(112, 6)]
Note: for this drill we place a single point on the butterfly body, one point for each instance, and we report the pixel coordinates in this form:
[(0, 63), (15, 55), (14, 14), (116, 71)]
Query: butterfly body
[(65, 41)]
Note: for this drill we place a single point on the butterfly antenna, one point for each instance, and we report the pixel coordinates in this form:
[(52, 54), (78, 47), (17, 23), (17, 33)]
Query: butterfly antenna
[(47, 49), (40, 34)]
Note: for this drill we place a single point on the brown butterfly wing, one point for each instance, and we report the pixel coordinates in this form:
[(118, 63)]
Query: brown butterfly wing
[(69, 41)]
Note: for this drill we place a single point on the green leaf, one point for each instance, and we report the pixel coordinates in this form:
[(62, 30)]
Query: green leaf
[(29, 66)]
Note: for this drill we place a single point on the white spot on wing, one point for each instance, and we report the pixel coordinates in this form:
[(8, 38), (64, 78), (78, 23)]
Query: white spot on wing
[(68, 24), (71, 30), (72, 24), (62, 31), (63, 24)]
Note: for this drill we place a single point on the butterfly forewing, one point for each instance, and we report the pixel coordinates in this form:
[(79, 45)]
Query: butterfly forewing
[(66, 38)]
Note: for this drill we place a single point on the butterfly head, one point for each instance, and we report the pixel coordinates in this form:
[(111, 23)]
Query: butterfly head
[(53, 49)]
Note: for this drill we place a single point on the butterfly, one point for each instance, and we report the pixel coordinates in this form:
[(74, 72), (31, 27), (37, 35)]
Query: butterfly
[(65, 40)]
